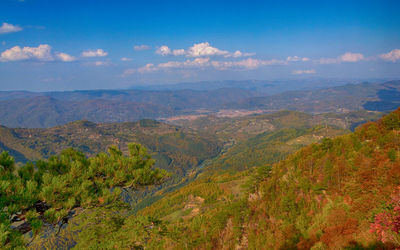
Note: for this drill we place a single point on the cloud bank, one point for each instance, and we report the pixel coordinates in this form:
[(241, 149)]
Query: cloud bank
[(205, 62)]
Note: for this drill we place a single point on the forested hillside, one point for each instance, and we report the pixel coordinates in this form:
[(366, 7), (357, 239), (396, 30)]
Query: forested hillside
[(340, 193), (343, 192), (175, 149)]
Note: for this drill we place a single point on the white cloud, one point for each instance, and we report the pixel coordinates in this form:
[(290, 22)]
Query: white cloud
[(248, 63), (141, 47), (305, 71), (147, 68), (42, 52), (204, 49), (178, 52), (238, 53), (393, 55), (196, 63), (94, 53), (164, 50), (64, 57), (346, 57), (297, 59), (205, 62), (200, 50), (351, 57), (126, 59), (16, 53), (9, 28)]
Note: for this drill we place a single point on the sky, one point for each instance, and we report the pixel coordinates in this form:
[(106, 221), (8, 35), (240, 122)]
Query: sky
[(97, 44)]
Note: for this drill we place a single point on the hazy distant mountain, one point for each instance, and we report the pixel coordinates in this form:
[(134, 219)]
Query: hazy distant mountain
[(266, 87), (38, 110), (370, 96), (46, 109)]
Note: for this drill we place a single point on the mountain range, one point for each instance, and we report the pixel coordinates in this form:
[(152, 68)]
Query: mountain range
[(47, 109)]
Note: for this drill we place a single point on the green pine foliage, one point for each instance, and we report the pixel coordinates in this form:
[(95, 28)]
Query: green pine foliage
[(66, 182)]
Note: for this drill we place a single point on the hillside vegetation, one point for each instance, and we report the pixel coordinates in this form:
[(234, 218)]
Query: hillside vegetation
[(336, 193), (48, 193), (325, 196), (175, 149), (340, 193)]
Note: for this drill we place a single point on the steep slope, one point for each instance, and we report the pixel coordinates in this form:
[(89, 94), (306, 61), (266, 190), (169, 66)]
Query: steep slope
[(271, 147), (325, 196)]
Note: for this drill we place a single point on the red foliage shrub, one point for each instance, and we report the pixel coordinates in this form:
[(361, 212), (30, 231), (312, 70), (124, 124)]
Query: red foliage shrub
[(387, 224)]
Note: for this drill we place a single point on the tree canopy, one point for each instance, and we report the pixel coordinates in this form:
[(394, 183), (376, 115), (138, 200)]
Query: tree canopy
[(48, 190)]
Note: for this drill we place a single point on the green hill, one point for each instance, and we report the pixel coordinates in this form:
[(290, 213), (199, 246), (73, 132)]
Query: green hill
[(325, 196), (175, 149), (243, 198)]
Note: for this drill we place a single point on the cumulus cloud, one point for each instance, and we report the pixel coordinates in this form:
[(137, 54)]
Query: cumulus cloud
[(238, 53), (164, 50), (196, 63), (94, 53), (351, 57), (200, 50), (141, 47), (147, 68), (9, 28), (126, 59), (205, 49), (346, 57), (42, 52), (297, 59), (303, 71), (178, 52), (64, 57), (16, 53), (393, 55)]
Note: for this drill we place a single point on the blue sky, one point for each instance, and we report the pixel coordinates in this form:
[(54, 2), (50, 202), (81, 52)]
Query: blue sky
[(65, 45)]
